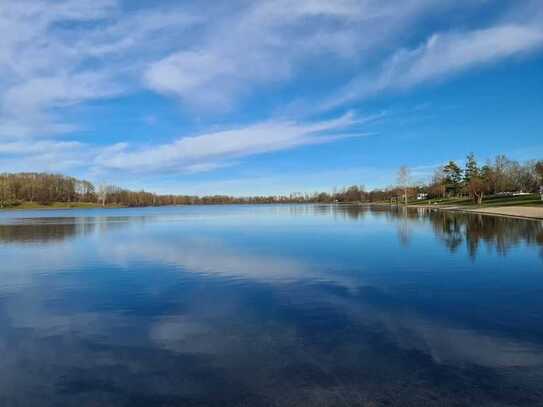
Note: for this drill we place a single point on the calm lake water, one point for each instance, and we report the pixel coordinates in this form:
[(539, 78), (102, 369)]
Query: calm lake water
[(270, 306)]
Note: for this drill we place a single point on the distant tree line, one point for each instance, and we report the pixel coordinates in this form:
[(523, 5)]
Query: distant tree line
[(43, 188), (46, 189), (500, 176)]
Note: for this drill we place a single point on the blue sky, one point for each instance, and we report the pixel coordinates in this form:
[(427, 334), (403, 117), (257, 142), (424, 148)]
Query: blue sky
[(266, 97)]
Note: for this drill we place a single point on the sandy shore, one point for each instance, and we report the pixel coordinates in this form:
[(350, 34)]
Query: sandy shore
[(525, 212), (533, 212)]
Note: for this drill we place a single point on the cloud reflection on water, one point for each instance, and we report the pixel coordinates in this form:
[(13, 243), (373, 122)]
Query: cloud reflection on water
[(164, 312)]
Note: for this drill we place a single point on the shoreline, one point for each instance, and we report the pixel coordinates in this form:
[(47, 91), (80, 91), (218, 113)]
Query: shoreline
[(513, 212), (56, 208)]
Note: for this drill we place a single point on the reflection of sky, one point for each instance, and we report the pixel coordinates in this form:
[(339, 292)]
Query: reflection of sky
[(169, 306)]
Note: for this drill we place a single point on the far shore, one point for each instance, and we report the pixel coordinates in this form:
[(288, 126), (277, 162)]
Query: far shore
[(29, 206)]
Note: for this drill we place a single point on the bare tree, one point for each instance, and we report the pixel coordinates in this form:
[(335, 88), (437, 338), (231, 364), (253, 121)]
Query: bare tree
[(103, 191), (404, 179), (477, 187), (438, 185)]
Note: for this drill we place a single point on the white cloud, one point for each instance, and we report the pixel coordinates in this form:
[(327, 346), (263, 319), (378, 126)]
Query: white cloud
[(195, 77), (38, 147), (68, 52), (270, 42), (35, 64), (50, 92), (443, 55), (44, 155), (60, 54), (55, 56), (450, 53), (197, 152)]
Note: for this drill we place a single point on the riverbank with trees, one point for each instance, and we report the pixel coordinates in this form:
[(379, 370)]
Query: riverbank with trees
[(500, 182)]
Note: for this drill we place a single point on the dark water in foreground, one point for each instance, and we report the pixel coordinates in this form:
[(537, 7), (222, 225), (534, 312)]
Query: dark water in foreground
[(270, 306)]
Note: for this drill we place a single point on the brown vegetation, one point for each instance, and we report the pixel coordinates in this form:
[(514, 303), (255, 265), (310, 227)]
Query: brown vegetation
[(500, 177)]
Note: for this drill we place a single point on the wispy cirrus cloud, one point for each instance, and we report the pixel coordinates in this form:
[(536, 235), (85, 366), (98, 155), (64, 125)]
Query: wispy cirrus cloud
[(57, 55), (45, 155), (269, 42), (211, 62), (202, 152), (442, 55)]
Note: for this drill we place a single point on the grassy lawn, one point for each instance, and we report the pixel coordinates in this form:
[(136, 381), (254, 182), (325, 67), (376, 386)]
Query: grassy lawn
[(524, 200)]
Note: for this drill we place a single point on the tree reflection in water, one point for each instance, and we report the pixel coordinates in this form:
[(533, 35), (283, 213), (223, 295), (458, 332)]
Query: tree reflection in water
[(475, 230), (452, 228), (51, 230)]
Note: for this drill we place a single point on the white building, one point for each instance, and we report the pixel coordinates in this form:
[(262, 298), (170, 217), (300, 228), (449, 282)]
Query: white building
[(421, 196)]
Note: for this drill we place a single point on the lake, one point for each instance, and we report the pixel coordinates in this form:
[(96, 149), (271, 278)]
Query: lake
[(270, 306)]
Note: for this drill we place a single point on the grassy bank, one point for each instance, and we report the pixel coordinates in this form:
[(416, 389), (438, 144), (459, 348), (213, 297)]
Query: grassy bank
[(489, 202), (524, 206)]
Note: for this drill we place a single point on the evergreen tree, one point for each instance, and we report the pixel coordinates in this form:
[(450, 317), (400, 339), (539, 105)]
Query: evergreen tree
[(453, 176), (472, 170)]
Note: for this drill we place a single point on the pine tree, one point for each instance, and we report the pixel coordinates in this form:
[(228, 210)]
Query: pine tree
[(472, 170), (453, 176)]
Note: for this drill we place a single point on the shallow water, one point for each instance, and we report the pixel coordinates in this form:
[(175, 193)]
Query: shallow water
[(270, 306)]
